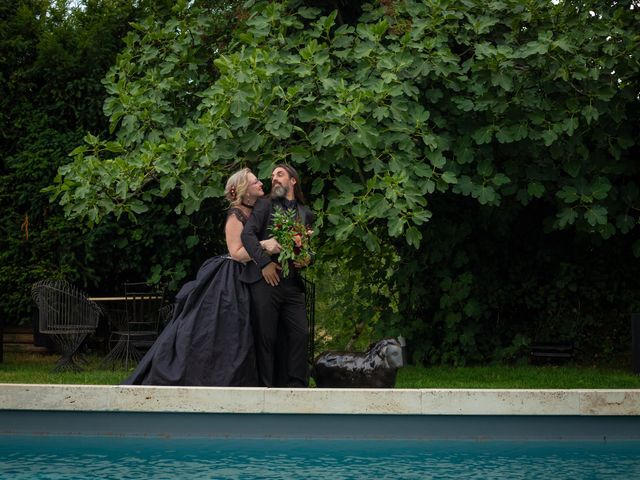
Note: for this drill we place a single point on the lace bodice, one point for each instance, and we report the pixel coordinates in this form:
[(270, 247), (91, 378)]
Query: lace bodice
[(239, 214)]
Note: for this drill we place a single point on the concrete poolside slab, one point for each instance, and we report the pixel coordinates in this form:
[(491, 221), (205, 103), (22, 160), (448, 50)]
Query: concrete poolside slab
[(318, 400)]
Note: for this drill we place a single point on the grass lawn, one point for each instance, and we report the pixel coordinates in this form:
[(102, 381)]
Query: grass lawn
[(37, 368), (526, 376)]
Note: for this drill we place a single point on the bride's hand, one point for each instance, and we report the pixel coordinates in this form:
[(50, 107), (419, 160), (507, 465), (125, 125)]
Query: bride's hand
[(271, 246)]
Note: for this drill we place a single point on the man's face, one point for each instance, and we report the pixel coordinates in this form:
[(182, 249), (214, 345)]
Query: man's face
[(282, 183)]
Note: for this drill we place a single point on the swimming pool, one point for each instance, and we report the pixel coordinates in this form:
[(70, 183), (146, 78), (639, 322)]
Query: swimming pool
[(194, 432), (113, 457)]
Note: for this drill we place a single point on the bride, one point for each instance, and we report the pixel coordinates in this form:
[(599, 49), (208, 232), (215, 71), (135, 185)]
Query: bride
[(209, 340)]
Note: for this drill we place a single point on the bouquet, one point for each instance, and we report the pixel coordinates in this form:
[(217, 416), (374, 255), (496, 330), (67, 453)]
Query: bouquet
[(293, 237)]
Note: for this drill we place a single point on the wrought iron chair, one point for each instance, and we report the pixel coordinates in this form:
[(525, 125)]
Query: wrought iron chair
[(165, 315), (144, 315), (65, 313)]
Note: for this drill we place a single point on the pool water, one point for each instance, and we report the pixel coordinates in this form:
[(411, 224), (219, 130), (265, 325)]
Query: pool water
[(57, 457)]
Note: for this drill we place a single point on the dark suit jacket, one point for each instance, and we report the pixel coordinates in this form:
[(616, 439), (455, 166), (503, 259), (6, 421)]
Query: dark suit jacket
[(256, 229)]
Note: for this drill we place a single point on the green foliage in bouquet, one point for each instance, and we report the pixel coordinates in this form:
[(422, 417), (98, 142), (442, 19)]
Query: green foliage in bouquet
[(294, 239)]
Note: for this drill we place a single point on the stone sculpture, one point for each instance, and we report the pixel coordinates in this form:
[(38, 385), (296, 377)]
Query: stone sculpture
[(375, 368)]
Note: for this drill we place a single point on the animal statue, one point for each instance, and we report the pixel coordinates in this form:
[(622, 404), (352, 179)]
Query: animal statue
[(375, 368)]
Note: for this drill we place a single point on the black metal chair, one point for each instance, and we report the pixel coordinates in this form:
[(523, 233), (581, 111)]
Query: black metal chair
[(145, 314), (65, 313), (165, 315)]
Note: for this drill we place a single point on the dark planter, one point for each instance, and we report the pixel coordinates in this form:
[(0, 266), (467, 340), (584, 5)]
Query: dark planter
[(1, 339), (551, 353), (635, 343)]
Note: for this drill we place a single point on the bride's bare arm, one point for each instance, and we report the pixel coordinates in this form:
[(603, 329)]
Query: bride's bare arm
[(232, 231)]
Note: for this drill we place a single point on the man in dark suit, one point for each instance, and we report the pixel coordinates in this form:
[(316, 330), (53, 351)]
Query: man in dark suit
[(277, 304)]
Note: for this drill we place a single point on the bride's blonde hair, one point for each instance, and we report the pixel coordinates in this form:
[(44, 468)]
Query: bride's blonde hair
[(237, 186)]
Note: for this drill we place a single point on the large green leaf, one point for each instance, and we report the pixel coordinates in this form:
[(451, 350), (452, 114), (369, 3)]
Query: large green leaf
[(596, 215)]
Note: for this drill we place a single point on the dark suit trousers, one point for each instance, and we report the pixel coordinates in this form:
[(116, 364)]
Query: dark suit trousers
[(280, 310)]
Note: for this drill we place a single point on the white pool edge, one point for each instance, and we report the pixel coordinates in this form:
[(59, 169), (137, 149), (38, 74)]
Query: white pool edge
[(98, 398)]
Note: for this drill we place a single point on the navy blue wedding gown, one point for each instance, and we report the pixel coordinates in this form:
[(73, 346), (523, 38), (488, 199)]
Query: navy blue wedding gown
[(209, 340)]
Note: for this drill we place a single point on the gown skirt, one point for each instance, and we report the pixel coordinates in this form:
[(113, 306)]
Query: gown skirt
[(209, 340)]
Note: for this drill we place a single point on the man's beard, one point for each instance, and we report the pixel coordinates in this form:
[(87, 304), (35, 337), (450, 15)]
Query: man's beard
[(279, 191)]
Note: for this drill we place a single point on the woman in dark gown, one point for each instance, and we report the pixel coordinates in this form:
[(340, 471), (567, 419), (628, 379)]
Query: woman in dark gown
[(209, 340)]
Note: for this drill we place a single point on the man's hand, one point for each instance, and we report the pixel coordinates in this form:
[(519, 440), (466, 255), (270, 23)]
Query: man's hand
[(270, 274), (270, 245)]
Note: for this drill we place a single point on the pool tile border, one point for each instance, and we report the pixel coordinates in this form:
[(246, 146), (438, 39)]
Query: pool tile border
[(318, 400)]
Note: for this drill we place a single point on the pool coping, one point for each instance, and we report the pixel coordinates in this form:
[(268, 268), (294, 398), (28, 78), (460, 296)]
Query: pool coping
[(320, 401)]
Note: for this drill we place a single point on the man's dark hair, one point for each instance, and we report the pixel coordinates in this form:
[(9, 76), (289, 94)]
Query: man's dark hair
[(297, 189)]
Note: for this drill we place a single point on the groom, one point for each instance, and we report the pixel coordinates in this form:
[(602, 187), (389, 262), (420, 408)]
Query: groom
[(277, 304)]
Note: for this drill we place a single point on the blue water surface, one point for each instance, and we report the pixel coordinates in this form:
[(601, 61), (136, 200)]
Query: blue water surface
[(76, 457)]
